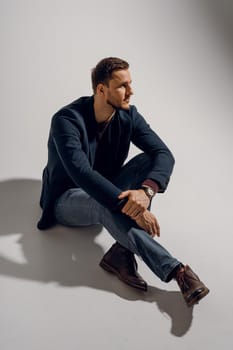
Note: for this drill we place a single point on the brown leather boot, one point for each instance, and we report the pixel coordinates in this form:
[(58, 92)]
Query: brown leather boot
[(190, 285), (121, 262)]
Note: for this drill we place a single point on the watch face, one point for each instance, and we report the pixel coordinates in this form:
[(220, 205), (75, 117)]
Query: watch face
[(150, 192)]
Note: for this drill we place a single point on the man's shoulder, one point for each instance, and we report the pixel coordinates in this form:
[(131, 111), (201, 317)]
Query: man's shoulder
[(76, 110), (74, 115), (78, 105)]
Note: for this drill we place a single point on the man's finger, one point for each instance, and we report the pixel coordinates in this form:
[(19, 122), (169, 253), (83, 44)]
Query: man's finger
[(135, 213), (130, 209), (127, 208), (123, 194), (157, 229), (152, 231)]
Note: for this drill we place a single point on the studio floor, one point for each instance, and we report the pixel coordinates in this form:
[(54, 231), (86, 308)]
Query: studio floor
[(55, 296)]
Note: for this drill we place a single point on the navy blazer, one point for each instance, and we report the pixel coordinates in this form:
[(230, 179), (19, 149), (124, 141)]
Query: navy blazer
[(71, 154)]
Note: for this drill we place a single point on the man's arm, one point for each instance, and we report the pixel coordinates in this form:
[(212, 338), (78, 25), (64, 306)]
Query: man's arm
[(158, 178), (149, 142)]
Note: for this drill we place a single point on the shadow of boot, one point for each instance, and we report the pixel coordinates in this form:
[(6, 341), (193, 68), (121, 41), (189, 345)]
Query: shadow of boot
[(170, 303), (173, 305)]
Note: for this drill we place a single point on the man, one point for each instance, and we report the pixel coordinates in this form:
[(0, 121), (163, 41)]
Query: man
[(86, 181)]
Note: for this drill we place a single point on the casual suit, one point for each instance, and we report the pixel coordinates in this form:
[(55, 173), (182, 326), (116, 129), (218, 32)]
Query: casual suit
[(76, 159)]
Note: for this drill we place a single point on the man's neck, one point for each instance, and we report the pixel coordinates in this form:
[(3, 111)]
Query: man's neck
[(103, 112)]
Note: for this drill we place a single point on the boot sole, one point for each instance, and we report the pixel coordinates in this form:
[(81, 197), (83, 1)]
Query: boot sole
[(198, 297), (111, 269)]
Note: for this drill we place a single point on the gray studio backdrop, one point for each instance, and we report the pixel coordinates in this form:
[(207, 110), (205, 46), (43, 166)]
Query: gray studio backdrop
[(180, 54), (181, 63)]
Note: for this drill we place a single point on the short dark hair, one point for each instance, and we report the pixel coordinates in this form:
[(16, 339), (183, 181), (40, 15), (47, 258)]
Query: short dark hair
[(102, 73)]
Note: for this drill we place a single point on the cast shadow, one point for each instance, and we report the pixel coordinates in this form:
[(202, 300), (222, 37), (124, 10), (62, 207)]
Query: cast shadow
[(67, 256)]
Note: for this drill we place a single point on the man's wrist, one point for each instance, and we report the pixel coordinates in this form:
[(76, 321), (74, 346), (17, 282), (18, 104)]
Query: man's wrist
[(151, 183), (149, 191)]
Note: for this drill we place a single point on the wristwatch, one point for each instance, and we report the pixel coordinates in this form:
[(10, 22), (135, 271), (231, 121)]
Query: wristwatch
[(148, 191)]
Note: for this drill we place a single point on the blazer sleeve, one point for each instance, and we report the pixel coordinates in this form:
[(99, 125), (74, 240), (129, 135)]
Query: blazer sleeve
[(149, 142), (67, 141)]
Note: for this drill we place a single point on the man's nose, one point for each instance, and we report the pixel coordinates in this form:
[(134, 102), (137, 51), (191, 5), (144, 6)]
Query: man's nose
[(130, 90)]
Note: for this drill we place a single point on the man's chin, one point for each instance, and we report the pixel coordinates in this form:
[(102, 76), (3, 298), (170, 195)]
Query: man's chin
[(123, 105)]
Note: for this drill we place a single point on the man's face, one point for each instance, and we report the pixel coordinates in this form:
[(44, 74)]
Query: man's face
[(119, 89)]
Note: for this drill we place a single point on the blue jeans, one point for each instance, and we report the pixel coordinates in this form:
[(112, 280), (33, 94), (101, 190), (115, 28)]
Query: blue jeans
[(76, 208)]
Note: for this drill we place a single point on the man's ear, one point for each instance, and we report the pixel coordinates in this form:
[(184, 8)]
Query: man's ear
[(100, 88)]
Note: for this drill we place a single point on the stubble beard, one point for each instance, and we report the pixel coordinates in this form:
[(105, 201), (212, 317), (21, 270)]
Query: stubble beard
[(114, 106)]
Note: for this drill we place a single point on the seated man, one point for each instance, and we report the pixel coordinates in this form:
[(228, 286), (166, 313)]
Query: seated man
[(86, 182)]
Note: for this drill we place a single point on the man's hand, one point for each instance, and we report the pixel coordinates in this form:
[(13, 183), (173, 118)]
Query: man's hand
[(137, 202), (148, 222)]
